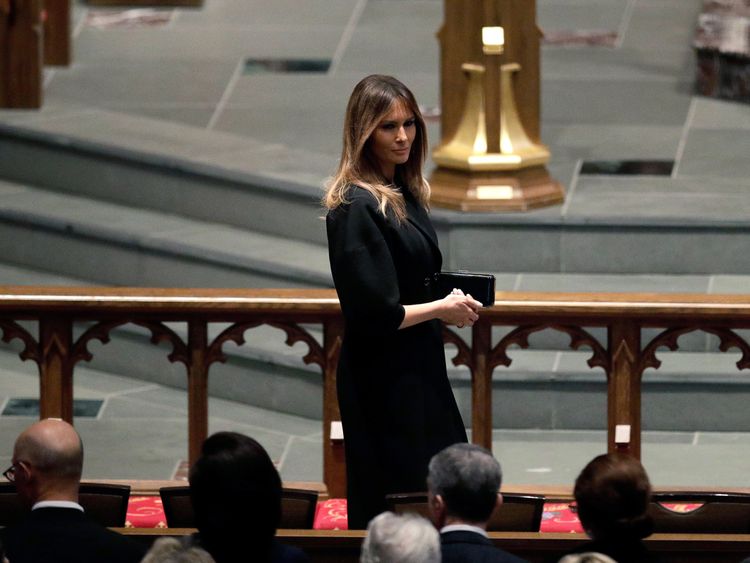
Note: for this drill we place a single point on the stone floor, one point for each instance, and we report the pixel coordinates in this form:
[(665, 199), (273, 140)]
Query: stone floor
[(625, 94)]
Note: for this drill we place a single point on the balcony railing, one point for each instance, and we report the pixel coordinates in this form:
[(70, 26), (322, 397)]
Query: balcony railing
[(622, 356)]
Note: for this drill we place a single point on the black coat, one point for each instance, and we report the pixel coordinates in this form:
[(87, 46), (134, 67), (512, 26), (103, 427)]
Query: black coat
[(397, 406), (469, 547), (66, 535), (243, 551)]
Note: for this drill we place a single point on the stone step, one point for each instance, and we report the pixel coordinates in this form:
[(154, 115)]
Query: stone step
[(114, 244), (170, 168), (609, 224)]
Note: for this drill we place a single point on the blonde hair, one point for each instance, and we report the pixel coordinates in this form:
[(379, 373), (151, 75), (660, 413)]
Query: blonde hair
[(371, 100)]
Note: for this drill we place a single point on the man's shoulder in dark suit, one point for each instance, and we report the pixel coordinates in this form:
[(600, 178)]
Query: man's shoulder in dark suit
[(281, 553), (465, 546), (66, 535)]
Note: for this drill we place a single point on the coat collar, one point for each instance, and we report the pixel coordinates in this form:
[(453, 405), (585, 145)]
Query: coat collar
[(463, 536), (419, 218)]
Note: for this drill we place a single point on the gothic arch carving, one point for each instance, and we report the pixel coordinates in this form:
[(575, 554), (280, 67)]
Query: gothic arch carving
[(294, 333), (578, 337), (12, 330), (463, 354), (159, 333), (669, 339)]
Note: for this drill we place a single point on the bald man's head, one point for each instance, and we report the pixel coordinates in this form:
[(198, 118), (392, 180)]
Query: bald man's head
[(54, 451)]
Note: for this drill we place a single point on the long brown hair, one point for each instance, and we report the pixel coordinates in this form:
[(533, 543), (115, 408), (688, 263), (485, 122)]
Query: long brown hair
[(373, 97)]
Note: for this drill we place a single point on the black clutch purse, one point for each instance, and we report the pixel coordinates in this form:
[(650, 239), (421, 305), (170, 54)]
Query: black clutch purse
[(480, 286)]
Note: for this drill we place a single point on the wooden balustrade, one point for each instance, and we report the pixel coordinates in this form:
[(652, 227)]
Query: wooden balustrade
[(623, 356)]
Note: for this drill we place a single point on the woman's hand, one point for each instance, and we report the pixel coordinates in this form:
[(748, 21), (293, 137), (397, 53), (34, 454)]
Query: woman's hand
[(456, 308), (459, 309)]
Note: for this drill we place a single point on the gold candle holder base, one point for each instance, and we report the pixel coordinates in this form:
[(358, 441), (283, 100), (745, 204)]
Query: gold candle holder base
[(519, 190)]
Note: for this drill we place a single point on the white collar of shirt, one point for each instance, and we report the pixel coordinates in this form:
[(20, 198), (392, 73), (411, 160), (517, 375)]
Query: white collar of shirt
[(463, 528), (57, 504)]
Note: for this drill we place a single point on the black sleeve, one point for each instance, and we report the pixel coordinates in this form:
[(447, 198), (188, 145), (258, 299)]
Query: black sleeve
[(362, 266)]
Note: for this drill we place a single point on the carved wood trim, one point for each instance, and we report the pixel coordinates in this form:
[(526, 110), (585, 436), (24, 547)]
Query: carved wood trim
[(12, 330), (99, 331), (235, 333), (730, 339), (669, 339), (159, 333), (463, 354), (578, 337), (294, 333), (162, 333)]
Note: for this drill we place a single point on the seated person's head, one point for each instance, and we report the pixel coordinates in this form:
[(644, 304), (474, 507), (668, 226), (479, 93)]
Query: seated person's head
[(236, 495), (400, 539), (463, 482), (48, 461), (613, 493), (588, 557), (171, 550)]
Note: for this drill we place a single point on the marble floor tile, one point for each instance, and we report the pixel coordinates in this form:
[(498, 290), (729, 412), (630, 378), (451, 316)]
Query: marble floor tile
[(262, 12), (710, 113), (224, 43), (580, 15), (573, 141), (142, 82), (616, 103), (720, 153)]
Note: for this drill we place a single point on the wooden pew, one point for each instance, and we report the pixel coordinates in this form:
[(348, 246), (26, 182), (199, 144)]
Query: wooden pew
[(20, 54), (342, 546)]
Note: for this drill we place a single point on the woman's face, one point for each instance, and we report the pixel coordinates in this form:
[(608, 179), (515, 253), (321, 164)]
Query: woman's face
[(391, 141)]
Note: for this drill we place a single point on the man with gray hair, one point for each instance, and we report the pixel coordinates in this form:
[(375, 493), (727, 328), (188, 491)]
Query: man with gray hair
[(463, 483), (46, 469), (400, 539)]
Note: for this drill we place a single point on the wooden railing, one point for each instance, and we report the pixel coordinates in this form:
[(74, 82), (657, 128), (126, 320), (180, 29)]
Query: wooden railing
[(622, 357)]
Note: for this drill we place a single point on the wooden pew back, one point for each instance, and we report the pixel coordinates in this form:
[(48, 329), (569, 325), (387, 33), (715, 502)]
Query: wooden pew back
[(342, 546)]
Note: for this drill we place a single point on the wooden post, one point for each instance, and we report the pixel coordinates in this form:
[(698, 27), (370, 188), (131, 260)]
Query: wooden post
[(57, 33), (624, 386), (20, 54), (55, 368), (334, 461), (481, 384), (197, 388)]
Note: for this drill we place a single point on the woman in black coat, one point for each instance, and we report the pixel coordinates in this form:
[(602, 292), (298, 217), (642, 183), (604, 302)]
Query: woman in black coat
[(397, 407)]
